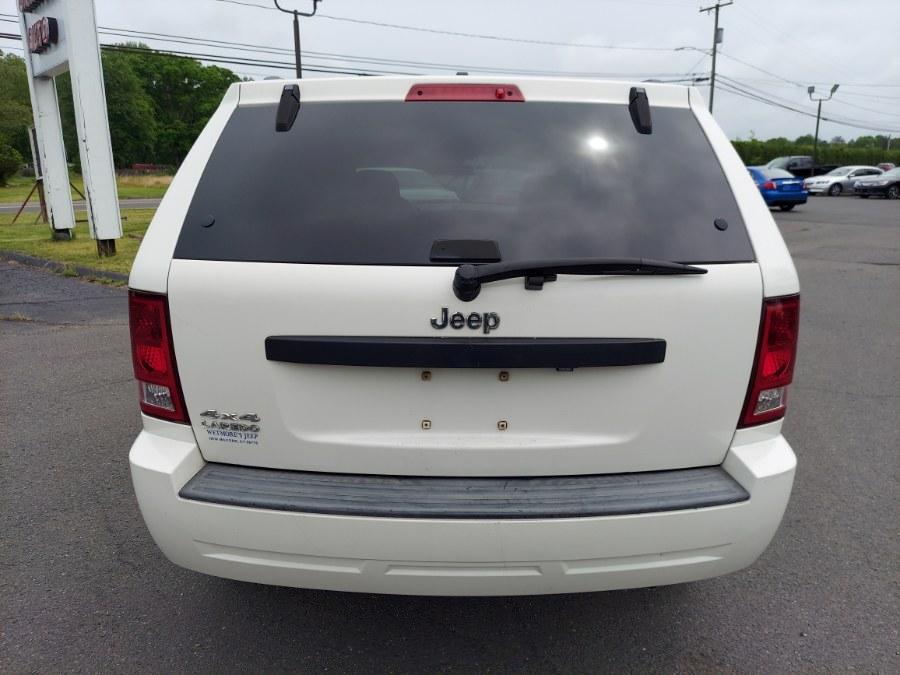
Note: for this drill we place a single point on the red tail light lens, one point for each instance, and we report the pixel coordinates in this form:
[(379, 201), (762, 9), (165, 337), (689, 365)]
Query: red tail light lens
[(773, 368), (154, 358), (464, 92), (768, 185)]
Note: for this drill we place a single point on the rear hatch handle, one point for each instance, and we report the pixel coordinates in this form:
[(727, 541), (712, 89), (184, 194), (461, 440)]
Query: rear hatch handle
[(468, 278)]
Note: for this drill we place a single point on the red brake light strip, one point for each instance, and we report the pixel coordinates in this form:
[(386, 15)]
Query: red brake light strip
[(465, 92)]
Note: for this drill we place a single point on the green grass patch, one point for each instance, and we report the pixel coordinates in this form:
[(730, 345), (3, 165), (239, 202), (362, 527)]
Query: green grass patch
[(34, 239), (130, 187)]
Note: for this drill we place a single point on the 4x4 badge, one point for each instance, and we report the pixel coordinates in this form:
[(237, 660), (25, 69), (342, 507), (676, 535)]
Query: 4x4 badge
[(487, 322), (230, 421)]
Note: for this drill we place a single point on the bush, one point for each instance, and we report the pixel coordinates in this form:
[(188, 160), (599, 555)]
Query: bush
[(10, 163)]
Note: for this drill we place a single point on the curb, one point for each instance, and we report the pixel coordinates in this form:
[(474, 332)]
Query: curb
[(60, 268)]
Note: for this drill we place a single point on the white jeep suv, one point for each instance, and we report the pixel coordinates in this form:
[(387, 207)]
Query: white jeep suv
[(565, 372)]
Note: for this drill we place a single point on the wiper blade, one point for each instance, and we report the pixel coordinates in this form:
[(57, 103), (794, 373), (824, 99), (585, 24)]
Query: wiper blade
[(468, 278)]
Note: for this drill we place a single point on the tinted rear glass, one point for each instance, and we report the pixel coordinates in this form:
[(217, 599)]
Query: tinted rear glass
[(379, 182)]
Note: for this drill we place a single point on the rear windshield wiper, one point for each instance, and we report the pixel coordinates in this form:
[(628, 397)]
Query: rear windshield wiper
[(468, 278)]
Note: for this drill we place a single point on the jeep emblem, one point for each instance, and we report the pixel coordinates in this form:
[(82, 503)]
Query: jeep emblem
[(486, 322)]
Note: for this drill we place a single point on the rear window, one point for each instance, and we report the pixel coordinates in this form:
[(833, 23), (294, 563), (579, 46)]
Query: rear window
[(771, 174), (380, 182)]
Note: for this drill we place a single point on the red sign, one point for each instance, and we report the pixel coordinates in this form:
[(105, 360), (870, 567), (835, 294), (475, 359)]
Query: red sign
[(42, 34)]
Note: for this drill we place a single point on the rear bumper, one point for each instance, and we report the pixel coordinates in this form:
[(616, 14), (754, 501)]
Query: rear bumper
[(778, 198), (428, 556)]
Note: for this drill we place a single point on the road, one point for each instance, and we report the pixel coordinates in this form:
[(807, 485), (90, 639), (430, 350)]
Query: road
[(33, 207), (82, 586)]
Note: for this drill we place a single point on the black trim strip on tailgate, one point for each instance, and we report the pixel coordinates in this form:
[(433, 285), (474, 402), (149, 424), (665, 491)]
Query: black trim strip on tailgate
[(423, 352), (426, 497)]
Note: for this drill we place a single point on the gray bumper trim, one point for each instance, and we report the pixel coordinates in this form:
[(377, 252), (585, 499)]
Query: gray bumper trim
[(428, 497)]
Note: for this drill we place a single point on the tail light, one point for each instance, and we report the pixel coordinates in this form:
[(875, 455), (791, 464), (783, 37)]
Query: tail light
[(154, 358), (773, 367), (768, 185)]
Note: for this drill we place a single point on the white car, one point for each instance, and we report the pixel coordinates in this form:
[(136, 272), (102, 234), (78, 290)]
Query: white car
[(570, 378), (839, 180)]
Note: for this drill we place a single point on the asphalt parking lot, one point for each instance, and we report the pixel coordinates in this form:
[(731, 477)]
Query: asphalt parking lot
[(83, 587)]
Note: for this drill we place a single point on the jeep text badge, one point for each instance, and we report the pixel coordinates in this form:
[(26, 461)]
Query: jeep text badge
[(487, 321)]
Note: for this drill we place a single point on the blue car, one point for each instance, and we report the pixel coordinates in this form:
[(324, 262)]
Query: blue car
[(779, 187)]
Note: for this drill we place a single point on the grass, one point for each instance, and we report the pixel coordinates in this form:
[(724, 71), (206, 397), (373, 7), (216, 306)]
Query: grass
[(130, 187), (34, 239)]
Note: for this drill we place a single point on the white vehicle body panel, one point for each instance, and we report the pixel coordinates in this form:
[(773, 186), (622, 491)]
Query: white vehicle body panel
[(680, 413), (459, 557), (150, 271), (779, 276)]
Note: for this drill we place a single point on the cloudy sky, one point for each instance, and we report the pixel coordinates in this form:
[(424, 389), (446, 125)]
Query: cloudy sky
[(772, 50)]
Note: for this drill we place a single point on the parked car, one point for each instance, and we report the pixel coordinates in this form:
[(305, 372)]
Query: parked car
[(886, 185), (573, 386), (886, 166), (841, 180), (799, 165), (778, 187)]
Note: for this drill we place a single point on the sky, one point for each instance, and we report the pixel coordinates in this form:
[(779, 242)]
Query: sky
[(772, 49)]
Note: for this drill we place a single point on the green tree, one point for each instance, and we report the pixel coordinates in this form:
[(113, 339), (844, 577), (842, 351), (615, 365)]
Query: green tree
[(10, 162), (15, 105), (132, 123), (184, 94), (157, 104)]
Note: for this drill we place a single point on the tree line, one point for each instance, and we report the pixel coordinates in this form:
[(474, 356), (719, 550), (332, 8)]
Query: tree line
[(159, 103), (868, 150)]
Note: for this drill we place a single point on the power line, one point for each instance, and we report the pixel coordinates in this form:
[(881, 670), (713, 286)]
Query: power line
[(218, 58), (267, 49), (322, 67), (774, 97), (761, 70), (246, 61), (780, 83), (249, 47), (860, 107), (738, 91), (492, 37), (478, 36), (735, 86)]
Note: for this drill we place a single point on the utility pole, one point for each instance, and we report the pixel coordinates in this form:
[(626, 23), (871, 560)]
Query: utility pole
[(812, 90), (717, 39), (297, 14)]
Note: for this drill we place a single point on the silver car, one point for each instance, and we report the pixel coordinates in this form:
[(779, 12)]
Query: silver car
[(839, 180)]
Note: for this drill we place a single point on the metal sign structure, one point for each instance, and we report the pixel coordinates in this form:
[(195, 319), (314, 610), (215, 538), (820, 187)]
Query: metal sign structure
[(60, 36)]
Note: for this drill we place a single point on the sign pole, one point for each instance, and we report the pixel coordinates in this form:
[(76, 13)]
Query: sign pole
[(94, 144), (60, 36), (51, 150)]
